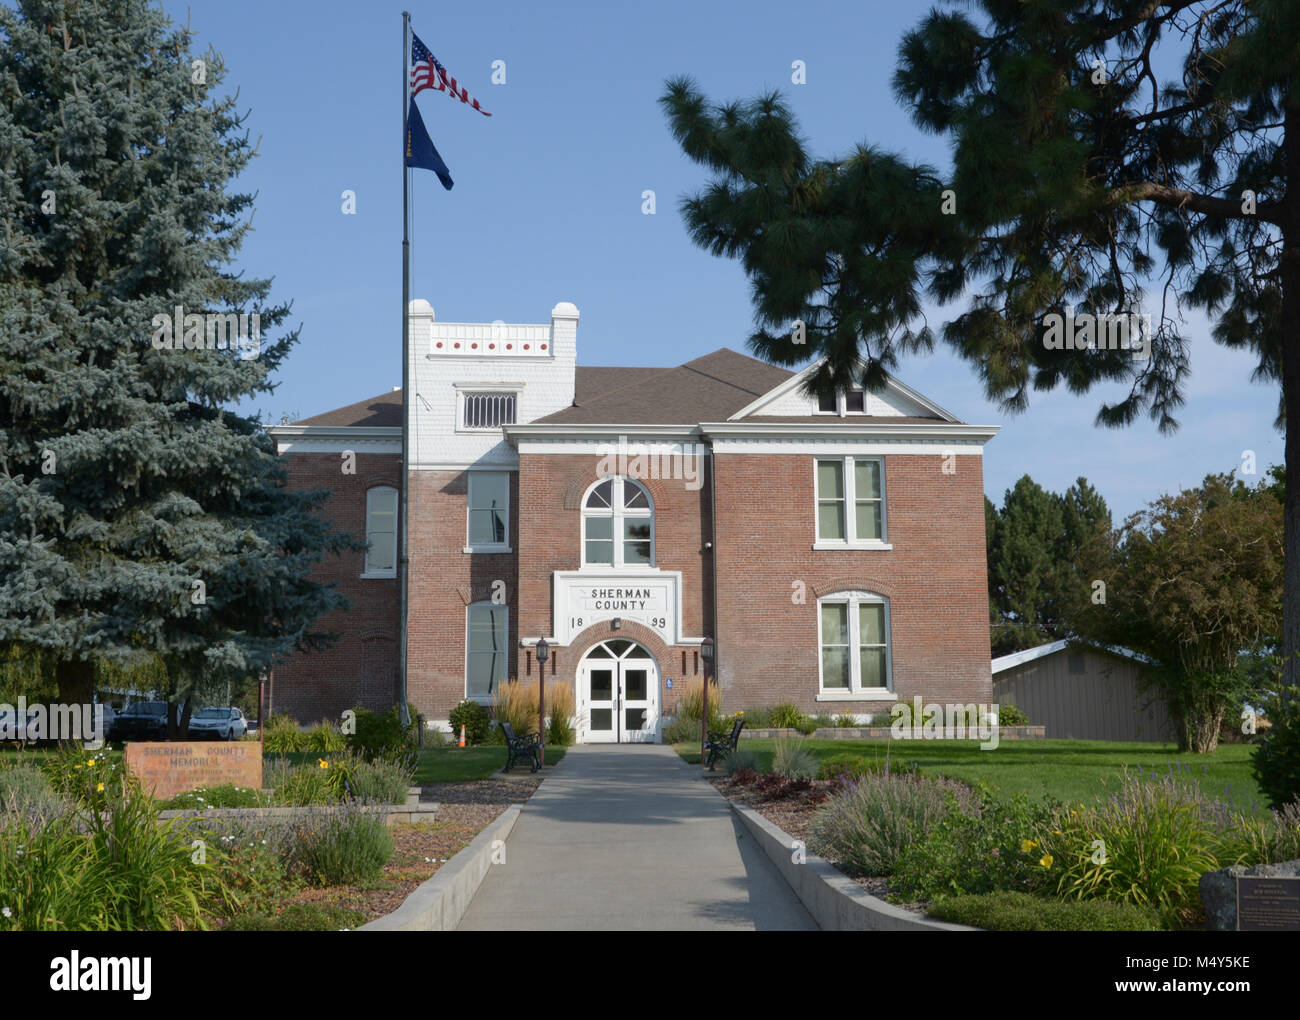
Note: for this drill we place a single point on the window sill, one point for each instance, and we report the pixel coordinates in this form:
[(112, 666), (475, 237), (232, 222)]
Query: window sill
[(874, 694), (827, 546), (487, 549), (380, 577)]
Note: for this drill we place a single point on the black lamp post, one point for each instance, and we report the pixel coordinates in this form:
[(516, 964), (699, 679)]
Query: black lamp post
[(543, 651), (706, 653)]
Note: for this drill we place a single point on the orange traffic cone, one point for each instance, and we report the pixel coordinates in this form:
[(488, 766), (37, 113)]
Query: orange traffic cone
[(462, 734)]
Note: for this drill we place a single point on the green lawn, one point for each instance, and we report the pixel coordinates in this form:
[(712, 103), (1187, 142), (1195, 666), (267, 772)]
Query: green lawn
[(458, 765), (1066, 769)]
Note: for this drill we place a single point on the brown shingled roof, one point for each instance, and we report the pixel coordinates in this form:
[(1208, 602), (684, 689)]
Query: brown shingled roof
[(710, 388), (377, 412)]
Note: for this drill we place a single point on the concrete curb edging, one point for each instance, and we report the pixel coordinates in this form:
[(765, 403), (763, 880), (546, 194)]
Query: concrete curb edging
[(440, 903), (835, 901)]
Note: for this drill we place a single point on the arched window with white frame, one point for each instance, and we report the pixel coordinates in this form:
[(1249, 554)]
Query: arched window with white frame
[(618, 525), (854, 646)]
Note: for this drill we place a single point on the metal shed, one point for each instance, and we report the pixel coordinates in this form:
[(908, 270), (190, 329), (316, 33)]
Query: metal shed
[(1081, 693)]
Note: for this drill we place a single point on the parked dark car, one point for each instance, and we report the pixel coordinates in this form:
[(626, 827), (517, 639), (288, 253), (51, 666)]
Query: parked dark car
[(141, 720)]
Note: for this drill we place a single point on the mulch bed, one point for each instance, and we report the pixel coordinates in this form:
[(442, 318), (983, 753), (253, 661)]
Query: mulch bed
[(421, 848), (514, 790)]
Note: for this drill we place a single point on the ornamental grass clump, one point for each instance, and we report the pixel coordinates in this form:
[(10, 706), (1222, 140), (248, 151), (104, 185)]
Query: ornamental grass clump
[(1148, 843), (379, 781), (516, 704), (868, 825), (560, 708), (342, 846), (281, 735), (792, 760)]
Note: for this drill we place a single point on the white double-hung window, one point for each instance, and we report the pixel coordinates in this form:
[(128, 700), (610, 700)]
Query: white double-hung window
[(850, 503), (489, 511), (381, 532), (853, 634)]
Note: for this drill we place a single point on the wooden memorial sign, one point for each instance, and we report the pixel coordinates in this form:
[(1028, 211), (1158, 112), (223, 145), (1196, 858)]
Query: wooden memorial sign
[(166, 769)]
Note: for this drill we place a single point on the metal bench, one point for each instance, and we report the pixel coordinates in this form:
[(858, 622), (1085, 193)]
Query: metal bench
[(720, 745), (520, 749)]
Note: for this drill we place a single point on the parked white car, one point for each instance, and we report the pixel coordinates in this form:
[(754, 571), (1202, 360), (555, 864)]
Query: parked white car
[(218, 724)]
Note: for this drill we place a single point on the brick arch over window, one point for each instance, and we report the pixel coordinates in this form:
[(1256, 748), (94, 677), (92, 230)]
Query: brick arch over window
[(854, 583), (580, 481), (630, 631), (383, 478), (573, 491)]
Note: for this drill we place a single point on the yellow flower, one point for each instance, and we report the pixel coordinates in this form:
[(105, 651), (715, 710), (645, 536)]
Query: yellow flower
[(1045, 860), (1057, 832), (76, 766), (323, 763), (1027, 845), (100, 788), (90, 764)]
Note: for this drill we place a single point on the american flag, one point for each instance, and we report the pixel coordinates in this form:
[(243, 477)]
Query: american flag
[(427, 73)]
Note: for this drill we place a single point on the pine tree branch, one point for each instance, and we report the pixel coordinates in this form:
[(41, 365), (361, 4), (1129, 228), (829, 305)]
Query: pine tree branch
[(1181, 198)]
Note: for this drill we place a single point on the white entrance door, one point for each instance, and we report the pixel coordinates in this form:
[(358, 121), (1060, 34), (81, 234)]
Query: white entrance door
[(618, 694)]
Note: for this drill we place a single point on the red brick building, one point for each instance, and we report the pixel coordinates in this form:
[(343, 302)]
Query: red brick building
[(833, 550)]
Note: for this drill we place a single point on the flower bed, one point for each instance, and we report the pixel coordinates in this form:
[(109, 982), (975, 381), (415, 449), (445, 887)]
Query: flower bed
[(1130, 861)]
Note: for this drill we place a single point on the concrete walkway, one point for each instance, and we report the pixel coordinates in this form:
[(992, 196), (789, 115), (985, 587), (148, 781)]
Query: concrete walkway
[(630, 837)]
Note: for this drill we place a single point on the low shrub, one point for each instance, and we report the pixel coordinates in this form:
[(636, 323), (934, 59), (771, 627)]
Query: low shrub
[(1012, 715), (381, 734), (756, 718), (300, 917), (474, 717), (281, 734), (322, 781), (844, 722), (868, 825), (252, 859), (1276, 761), (1271, 840), (343, 846), (1017, 911), (966, 853), (225, 796), (744, 776), (792, 760), (849, 767), (1148, 844), (739, 759), (560, 730), (684, 729), (787, 715), (380, 781), (325, 736), (24, 786)]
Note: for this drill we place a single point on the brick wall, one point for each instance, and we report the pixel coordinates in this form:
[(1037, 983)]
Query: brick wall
[(444, 579), (935, 578), (362, 667), (551, 487)]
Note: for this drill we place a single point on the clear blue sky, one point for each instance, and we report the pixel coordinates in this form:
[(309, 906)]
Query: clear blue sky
[(547, 203)]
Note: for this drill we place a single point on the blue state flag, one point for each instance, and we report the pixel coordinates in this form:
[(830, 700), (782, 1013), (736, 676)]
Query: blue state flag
[(419, 147)]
